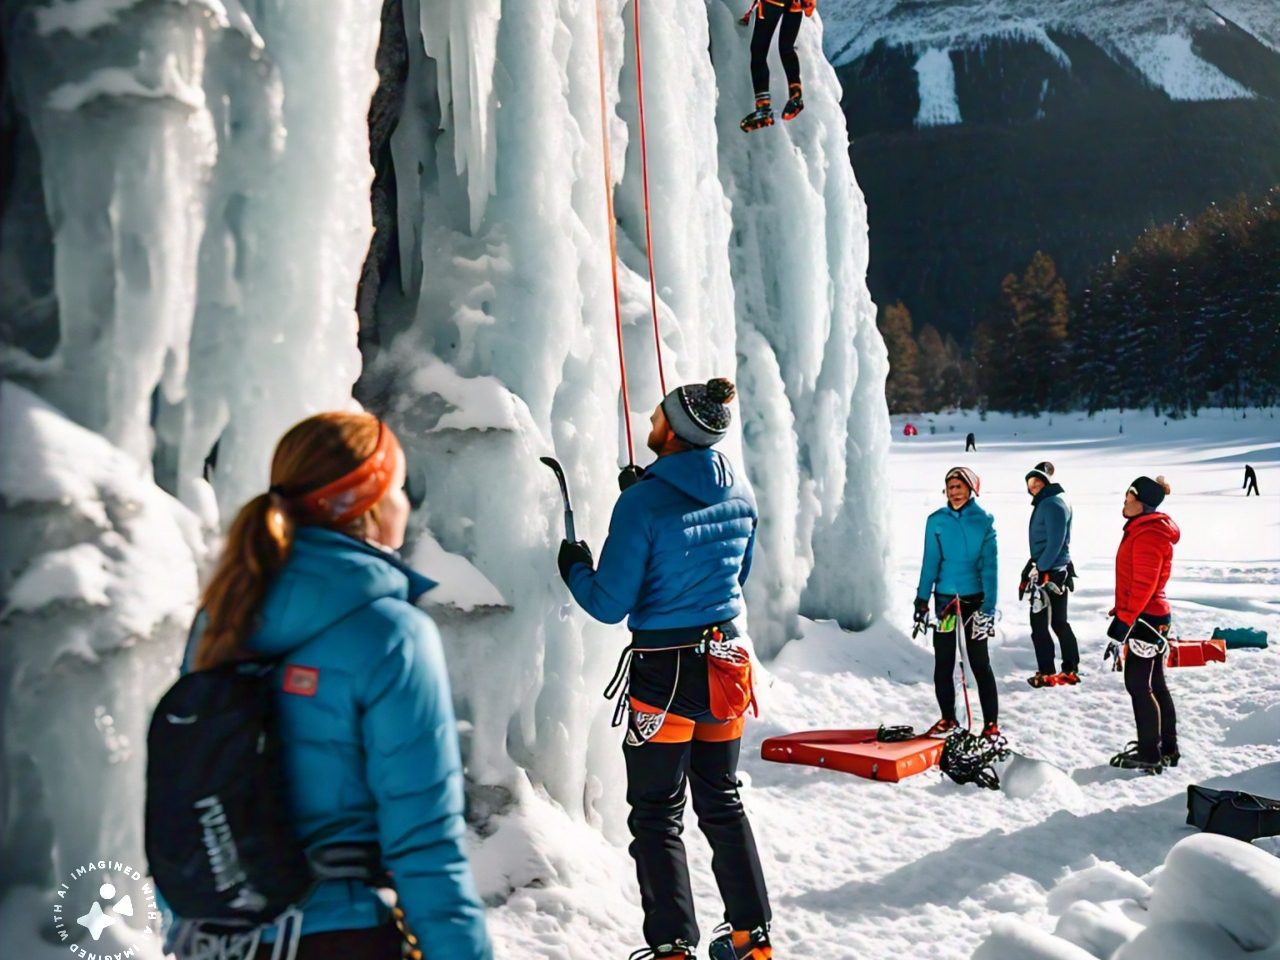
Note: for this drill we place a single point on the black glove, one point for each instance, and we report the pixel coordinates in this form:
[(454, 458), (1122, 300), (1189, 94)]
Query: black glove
[(629, 476), (572, 554), (1070, 582), (1118, 629), (921, 609)]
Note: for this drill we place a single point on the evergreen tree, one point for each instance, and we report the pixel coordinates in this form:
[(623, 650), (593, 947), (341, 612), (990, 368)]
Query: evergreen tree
[(902, 389)]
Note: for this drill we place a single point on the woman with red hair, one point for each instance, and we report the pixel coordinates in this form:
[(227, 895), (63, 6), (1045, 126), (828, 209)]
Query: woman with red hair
[(309, 578)]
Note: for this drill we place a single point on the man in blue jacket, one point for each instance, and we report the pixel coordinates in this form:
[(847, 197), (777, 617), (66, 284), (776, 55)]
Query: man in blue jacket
[(678, 552), (960, 569), (1049, 535)]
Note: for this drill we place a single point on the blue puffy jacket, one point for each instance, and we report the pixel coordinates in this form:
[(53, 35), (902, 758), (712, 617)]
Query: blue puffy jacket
[(679, 547), (371, 749), (1049, 531), (960, 554)]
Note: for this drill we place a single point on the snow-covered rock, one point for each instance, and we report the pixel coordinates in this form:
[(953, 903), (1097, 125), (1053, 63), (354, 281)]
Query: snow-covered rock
[(97, 589)]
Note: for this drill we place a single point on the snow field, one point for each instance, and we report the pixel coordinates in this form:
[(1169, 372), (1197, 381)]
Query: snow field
[(926, 868)]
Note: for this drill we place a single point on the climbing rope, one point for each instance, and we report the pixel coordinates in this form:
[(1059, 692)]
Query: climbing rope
[(613, 233), (644, 176)]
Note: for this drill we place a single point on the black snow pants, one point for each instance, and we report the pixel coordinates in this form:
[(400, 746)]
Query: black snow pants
[(768, 15), (373, 943), (1055, 615), (944, 661), (1152, 704), (656, 777)]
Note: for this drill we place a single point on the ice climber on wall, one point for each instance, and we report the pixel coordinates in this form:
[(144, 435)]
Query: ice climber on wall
[(959, 569), (676, 557), (770, 14)]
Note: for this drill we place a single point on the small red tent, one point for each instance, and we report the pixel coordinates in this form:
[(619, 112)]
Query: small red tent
[(910, 430)]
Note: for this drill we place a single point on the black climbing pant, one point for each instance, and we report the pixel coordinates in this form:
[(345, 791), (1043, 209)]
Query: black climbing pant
[(768, 16), (1152, 704), (1054, 615), (944, 660), (656, 777)]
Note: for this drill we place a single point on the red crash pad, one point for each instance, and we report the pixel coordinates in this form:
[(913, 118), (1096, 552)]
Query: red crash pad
[(1196, 653), (855, 751)]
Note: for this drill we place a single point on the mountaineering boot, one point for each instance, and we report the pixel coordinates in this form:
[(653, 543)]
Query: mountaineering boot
[(1067, 679), (1044, 680), (795, 102), (741, 945), (680, 950), (761, 117), (991, 730), (1128, 759), (942, 728), (1171, 759)]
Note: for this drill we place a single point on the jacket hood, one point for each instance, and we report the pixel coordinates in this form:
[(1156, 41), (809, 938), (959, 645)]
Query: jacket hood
[(703, 475), (1047, 491), (1160, 524), (329, 576)]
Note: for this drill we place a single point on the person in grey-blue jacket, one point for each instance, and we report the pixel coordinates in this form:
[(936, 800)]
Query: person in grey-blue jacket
[(678, 553), (960, 570), (365, 714), (1049, 537)]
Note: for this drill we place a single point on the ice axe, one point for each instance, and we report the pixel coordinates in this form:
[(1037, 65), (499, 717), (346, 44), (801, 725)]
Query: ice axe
[(554, 464)]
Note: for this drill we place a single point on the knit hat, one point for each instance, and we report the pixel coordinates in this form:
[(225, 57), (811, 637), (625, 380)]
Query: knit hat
[(698, 413), (1150, 493), (967, 476), (1043, 470)]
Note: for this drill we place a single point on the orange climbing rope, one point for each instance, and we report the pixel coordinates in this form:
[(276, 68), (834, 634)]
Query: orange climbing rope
[(613, 235), (644, 176)]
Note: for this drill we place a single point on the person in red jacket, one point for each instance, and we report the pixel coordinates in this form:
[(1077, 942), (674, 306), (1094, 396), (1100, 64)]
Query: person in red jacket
[(1140, 621)]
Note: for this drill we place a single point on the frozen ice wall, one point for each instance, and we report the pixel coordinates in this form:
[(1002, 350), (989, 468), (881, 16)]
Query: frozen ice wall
[(98, 579), (205, 174), (506, 348), (206, 178)]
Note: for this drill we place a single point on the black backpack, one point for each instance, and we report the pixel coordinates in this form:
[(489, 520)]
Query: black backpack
[(1232, 813), (218, 833)]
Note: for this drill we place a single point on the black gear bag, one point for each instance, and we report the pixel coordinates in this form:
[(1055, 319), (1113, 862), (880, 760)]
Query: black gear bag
[(218, 834), (1232, 813)]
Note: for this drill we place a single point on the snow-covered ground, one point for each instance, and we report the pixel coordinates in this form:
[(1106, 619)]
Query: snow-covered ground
[(923, 869)]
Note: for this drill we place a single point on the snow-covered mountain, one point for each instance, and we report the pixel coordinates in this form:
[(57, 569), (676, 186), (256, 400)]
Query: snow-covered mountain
[(1000, 127), (1155, 37), (185, 215)]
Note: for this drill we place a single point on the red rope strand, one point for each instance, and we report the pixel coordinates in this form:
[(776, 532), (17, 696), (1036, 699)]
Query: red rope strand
[(644, 176)]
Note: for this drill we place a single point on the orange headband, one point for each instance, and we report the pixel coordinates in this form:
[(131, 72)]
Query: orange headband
[(349, 496)]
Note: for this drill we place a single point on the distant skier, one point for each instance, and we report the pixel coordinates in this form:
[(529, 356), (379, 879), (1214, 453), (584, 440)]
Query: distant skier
[(769, 14), (960, 565), (1049, 536), (1250, 481), (678, 552), (970, 443), (1140, 621)]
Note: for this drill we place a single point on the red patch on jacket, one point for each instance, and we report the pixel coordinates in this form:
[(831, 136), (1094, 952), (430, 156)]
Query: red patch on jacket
[(301, 680)]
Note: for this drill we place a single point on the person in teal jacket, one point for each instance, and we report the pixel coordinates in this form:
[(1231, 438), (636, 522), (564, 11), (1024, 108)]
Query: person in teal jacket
[(366, 720), (960, 570)]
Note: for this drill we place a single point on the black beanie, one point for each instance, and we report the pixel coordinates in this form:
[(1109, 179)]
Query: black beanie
[(1150, 493), (1043, 470), (698, 413)]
